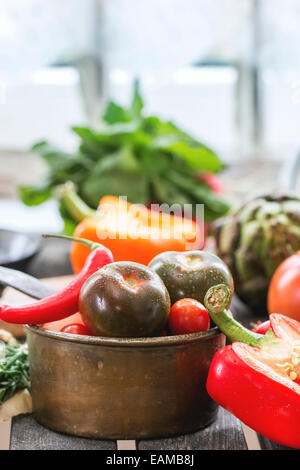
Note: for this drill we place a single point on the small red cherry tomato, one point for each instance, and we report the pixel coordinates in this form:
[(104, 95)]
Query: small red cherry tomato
[(188, 316), (76, 329), (164, 333), (58, 325)]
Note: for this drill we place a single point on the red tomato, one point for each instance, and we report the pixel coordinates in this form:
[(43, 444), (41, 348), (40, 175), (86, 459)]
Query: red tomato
[(284, 289), (188, 316), (59, 324), (75, 329)]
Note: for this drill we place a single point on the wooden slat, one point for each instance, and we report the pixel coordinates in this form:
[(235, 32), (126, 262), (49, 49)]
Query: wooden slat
[(126, 445), (29, 435), (225, 433), (270, 445), (251, 438), (5, 430)]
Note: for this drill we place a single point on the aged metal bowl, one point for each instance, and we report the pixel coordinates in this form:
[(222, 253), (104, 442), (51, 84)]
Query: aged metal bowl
[(113, 388)]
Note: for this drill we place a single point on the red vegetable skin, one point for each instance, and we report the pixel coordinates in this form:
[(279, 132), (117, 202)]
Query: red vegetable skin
[(284, 290), (188, 316), (256, 392), (62, 304), (60, 324), (262, 328), (76, 329)]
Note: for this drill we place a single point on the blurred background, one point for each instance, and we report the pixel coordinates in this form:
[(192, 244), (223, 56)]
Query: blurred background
[(225, 68), (224, 71)]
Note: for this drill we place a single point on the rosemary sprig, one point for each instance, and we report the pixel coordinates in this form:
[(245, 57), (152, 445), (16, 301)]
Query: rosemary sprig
[(14, 370)]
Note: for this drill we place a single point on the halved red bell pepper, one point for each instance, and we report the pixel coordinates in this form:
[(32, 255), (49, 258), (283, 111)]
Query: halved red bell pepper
[(257, 378)]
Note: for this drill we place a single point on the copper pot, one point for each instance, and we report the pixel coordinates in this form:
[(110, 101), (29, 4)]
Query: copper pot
[(116, 388)]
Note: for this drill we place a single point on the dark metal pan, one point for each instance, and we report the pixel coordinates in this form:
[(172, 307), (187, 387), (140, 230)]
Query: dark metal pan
[(17, 248), (118, 388)]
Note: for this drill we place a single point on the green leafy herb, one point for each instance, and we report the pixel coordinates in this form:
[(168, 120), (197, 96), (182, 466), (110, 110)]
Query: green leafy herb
[(14, 370), (130, 154)]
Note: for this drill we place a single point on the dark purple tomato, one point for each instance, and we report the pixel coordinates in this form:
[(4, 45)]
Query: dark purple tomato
[(124, 299)]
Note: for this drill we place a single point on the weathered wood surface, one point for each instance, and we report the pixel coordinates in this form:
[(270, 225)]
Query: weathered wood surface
[(27, 434), (223, 434), (269, 445)]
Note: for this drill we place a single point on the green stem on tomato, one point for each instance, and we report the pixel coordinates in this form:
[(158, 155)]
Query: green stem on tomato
[(84, 241), (77, 208), (216, 301)]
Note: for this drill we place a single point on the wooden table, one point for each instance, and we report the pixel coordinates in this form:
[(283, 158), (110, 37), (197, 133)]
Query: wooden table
[(226, 433)]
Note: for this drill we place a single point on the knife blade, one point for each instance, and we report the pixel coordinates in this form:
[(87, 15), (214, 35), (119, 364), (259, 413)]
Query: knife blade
[(25, 283)]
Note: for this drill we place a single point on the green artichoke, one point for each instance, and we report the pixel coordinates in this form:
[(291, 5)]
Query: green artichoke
[(255, 240)]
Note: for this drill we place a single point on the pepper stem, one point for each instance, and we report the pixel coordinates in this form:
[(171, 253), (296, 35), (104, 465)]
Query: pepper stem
[(77, 208), (216, 301), (84, 241)]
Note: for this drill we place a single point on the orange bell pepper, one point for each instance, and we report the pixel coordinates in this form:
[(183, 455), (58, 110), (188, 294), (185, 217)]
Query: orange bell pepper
[(133, 233)]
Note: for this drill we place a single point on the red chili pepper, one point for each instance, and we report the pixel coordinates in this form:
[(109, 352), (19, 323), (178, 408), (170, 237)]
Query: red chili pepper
[(258, 381), (65, 302)]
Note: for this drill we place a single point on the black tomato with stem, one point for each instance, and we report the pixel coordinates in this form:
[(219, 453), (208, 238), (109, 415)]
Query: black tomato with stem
[(124, 299)]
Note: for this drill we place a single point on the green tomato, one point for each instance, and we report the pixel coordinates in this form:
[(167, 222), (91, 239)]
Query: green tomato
[(190, 274)]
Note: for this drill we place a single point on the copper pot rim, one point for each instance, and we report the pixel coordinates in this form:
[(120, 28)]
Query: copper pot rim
[(175, 340)]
